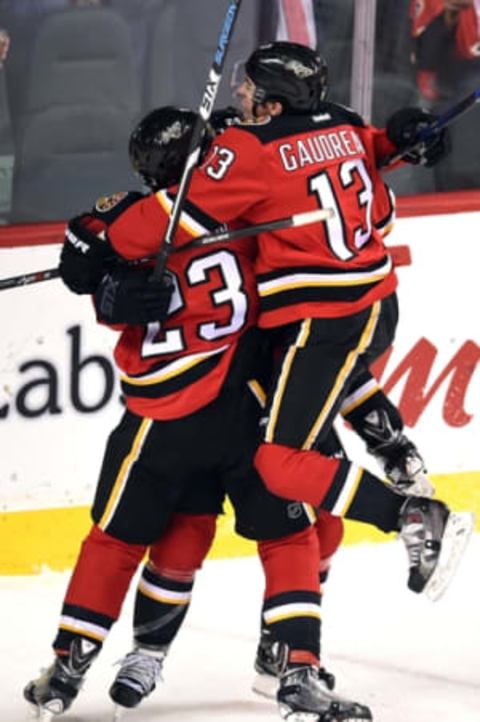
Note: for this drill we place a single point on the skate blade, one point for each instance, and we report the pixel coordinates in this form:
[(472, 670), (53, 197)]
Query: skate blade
[(41, 715), (458, 530), (290, 716), (45, 716), (119, 713), (265, 685), (314, 717)]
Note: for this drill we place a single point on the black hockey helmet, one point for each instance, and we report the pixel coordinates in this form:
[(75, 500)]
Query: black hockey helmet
[(290, 73), (159, 145)]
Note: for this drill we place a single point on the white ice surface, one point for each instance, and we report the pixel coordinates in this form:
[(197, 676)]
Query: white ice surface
[(409, 659)]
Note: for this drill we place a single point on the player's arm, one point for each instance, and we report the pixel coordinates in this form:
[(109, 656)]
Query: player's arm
[(86, 252), (401, 132)]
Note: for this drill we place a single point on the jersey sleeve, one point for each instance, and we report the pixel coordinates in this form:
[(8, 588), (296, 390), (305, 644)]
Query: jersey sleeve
[(382, 145)]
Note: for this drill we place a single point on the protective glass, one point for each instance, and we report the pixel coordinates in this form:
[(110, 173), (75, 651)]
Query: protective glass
[(238, 76)]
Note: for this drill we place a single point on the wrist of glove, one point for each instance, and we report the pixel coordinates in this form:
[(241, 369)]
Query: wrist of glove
[(404, 128), (86, 255), (129, 296)]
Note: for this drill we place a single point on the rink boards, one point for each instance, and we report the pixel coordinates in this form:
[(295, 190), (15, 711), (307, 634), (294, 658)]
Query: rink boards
[(59, 398)]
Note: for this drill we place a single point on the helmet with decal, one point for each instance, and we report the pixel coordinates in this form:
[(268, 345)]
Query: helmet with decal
[(293, 74), (159, 145)]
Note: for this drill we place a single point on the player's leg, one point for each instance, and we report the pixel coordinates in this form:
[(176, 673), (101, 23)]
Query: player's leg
[(129, 512), (291, 613), (378, 422), (269, 661), (310, 386), (289, 553), (190, 449), (91, 605), (318, 358), (163, 597), (329, 531), (376, 419)]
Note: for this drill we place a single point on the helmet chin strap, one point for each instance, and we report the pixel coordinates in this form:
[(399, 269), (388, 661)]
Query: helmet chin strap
[(256, 115), (268, 112)]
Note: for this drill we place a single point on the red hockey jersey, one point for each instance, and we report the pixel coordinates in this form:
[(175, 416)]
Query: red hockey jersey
[(286, 165), (171, 369)]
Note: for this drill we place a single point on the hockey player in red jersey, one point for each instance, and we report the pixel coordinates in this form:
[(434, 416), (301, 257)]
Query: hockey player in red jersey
[(326, 292), (188, 436), (299, 159)]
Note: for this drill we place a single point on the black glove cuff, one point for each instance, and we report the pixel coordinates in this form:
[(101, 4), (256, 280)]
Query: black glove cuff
[(86, 242)]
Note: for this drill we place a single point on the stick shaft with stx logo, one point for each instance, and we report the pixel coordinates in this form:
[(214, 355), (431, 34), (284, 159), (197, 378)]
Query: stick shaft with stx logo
[(204, 112)]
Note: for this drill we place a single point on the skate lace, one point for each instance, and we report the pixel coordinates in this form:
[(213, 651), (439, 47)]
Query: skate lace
[(400, 457), (140, 671)]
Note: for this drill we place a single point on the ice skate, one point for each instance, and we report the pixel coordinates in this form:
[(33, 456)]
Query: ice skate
[(398, 456), (136, 678), (271, 662), (435, 539), (41, 715), (304, 697), (56, 688)]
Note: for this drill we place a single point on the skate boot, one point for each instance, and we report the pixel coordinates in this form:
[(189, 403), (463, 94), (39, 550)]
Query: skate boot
[(271, 662), (137, 677), (54, 691), (399, 457), (303, 697), (435, 539)]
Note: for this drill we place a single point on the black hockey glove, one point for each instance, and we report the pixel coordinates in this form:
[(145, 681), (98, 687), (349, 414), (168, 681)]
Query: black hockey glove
[(404, 126), (127, 295), (85, 256)]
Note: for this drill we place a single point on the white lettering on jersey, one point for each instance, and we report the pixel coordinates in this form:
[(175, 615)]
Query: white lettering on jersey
[(317, 149)]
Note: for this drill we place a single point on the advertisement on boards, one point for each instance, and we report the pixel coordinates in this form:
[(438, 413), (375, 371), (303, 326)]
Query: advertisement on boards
[(60, 396)]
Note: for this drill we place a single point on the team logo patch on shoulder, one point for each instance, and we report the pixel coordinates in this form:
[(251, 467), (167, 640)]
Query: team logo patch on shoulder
[(106, 203)]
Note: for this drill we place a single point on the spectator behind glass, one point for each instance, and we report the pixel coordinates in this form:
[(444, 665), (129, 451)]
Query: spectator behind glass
[(4, 46), (21, 19), (447, 62)]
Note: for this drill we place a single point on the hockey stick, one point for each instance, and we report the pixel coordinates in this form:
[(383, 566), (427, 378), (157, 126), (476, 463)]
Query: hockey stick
[(204, 112), (299, 219), (222, 236), (26, 279), (431, 130)]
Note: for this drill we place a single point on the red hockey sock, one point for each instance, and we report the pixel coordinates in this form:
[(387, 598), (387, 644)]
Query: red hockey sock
[(184, 544), (103, 572), (291, 608)]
